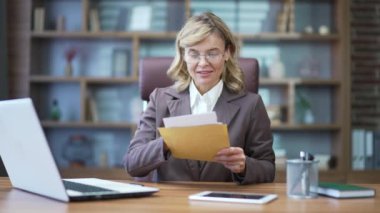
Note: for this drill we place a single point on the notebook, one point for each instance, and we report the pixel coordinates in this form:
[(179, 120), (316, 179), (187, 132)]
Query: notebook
[(339, 190), (31, 167)]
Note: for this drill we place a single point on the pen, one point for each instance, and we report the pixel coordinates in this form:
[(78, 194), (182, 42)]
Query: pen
[(305, 181)]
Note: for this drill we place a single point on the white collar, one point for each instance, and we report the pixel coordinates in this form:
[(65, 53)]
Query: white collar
[(208, 99)]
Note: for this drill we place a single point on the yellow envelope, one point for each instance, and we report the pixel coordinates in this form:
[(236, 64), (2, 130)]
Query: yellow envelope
[(196, 142)]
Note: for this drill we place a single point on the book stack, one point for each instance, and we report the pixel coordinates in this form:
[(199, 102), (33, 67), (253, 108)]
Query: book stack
[(225, 11), (286, 18), (108, 105), (136, 16), (337, 190), (39, 19), (120, 62), (252, 16), (364, 144)]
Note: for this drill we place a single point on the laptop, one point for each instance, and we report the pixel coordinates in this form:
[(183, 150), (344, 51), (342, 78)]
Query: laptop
[(31, 167)]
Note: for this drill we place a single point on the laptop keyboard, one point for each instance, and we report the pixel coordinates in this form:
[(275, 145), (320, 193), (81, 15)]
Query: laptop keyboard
[(84, 188)]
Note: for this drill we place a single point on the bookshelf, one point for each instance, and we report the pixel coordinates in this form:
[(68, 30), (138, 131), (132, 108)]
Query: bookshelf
[(328, 134), (364, 158)]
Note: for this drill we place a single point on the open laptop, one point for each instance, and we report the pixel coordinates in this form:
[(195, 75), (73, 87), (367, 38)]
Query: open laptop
[(31, 166)]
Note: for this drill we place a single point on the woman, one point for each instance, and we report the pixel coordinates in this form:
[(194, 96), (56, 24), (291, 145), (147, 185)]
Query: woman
[(207, 78)]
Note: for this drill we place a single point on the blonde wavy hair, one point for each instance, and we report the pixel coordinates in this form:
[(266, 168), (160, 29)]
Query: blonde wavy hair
[(196, 29)]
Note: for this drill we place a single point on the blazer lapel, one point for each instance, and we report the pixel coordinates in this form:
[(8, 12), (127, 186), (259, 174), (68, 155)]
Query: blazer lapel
[(179, 104), (224, 108)]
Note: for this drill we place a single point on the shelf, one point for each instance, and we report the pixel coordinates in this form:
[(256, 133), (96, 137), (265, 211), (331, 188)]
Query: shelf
[(116, 80), (304, 127), (93, 80), (111, 35), (288, 37), (316, 82), (108, 80), (101, 125), (298, 82), (51, 79), (172, 35)]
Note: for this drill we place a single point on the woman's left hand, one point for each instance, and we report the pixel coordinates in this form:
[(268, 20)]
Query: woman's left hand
[(233, 158)]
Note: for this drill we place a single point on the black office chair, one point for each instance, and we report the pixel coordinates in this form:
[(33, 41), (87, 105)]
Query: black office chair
[(152, 74)]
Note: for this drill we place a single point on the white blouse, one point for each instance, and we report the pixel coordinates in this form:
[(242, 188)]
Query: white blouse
[(206, 102)]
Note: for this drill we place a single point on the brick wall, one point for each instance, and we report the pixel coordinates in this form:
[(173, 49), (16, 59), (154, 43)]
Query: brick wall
[(365, 63)]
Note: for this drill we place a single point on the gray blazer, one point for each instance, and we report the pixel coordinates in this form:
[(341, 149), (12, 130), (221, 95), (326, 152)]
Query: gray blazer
[(248, 128)]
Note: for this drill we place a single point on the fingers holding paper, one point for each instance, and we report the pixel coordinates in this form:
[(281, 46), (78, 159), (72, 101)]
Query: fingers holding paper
[(233, 158)]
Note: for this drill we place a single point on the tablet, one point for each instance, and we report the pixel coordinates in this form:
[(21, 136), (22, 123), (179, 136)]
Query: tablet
[(235, 197)]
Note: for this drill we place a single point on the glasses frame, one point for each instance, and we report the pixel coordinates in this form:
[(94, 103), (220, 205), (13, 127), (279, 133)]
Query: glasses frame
[(205, 56)]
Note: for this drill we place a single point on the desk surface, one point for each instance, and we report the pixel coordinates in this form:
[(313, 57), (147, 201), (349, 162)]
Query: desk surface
[(172, 197)]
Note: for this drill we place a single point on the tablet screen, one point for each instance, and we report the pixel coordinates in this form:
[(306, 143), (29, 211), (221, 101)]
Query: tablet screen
[(231, 195), (236, 197)]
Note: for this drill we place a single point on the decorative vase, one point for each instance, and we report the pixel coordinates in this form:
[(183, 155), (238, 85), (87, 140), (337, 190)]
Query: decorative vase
[(308, 117), (69, 69), (277, 68), (55, 112)]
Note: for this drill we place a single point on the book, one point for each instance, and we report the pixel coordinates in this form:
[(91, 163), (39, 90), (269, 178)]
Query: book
[(338, 190), (376, 146), (368, 153), (123, 19), (39, 19), (94, 20), (92, 111), (120, 62), (61, 24), (358, 141), (174, 8)]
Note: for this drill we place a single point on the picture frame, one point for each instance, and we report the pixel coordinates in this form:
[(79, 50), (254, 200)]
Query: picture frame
[(121, 62)]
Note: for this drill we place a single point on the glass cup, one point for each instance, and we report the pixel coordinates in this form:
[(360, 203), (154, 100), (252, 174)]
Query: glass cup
[(302, 178)]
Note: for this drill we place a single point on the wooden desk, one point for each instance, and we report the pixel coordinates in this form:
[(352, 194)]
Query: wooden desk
[(173, 198)]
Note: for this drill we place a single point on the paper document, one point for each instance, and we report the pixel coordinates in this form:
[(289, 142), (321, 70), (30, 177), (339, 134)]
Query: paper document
[(199, 141), (191, 120)]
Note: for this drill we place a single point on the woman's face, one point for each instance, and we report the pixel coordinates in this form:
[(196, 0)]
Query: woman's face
[(205, 62)]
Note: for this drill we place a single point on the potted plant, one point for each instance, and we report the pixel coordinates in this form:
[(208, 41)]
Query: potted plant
[(304, 106)]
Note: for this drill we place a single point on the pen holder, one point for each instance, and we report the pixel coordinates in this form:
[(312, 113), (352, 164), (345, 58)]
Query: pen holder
[(301, 178)]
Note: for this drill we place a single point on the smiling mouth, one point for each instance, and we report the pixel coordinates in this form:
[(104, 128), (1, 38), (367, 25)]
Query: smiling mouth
[(204, 72)]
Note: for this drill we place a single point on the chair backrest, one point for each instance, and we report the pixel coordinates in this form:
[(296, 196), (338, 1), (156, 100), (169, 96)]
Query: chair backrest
[(152, 74)]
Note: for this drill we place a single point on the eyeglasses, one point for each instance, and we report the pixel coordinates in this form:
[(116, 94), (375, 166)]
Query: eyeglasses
[(212, 57)]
